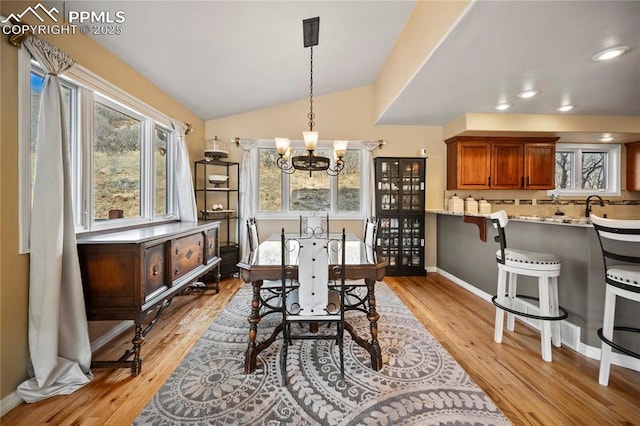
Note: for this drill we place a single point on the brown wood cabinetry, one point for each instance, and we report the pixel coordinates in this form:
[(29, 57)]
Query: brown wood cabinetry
[(633, 166), (127, 275), (481, 162)]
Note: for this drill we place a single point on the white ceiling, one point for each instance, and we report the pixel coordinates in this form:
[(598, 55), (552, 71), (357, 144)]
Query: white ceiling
[(220, 58)]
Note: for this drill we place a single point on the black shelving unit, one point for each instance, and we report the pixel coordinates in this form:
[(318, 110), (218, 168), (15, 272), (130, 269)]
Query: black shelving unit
[(400, 194), (225, 195)]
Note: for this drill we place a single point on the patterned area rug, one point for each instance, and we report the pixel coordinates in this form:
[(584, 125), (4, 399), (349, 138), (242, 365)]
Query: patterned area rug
[(419, 384)]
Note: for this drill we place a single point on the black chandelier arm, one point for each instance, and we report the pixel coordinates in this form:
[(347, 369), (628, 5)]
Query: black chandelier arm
[(284, 165), (337, 168)]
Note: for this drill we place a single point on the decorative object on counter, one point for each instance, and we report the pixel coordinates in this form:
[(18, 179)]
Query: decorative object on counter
[(544, 266), (620, 244), (455, 204), (484, 207), (216, 149), (310, 162), (556, 202), (470, 205)]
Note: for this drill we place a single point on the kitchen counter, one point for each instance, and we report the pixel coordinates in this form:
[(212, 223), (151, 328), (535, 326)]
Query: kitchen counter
[(551, 220), (581, 286)]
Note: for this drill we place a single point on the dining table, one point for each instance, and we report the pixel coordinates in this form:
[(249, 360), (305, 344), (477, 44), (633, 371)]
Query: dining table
[(363, 268)]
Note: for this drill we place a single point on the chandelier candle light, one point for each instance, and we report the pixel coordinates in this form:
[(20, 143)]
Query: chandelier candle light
[(310, 162)]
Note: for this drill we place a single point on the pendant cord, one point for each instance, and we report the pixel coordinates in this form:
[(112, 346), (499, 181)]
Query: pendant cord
[(311, 116)]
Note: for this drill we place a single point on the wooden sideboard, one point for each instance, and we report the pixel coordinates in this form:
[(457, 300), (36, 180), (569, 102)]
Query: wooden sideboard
[(128, 275)]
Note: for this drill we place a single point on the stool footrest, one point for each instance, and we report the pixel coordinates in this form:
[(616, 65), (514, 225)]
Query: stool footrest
[(617, 346), (563, 312)]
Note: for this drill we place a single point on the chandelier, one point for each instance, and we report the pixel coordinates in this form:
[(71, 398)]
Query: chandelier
[(310, 162)]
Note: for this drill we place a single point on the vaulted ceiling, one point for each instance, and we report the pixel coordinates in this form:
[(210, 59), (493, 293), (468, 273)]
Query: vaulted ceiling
[(220, 58)]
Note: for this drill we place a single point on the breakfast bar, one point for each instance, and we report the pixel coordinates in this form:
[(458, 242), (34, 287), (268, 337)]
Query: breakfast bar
[(581, 284)]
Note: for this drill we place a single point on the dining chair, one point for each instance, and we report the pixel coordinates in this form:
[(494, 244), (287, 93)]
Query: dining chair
[(620, 245), (317, 225), (317, 295), (370, 235), (252, 233), (270, 292)]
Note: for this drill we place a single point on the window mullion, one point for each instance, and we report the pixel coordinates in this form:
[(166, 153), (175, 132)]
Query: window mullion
[(85, 133), (147, 170)]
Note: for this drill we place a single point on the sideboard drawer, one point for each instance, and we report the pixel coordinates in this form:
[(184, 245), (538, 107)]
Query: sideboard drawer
[(155, 270), (188, 254)]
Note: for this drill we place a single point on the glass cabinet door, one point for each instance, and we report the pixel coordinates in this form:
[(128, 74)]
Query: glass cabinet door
[(412, 185), (388, 185)]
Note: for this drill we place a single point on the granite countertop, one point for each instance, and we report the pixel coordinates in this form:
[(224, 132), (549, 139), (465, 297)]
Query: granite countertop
[(551, 220)]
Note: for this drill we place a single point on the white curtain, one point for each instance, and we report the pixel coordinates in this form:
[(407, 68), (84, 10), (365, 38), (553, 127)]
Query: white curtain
[(59, 346), (369, 147), (184, 180), (248, 193)]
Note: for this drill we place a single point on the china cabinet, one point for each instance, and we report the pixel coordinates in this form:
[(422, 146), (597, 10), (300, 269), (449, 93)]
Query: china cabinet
[(216, 184), (400, 193)]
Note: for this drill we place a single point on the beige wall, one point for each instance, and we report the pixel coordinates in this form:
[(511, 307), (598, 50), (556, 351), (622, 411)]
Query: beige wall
[(14, 272), (343, 115)]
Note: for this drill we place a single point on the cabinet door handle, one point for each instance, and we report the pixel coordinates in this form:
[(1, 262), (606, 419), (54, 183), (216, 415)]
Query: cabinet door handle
[(489, 181), (176, 271), (177, 251), (528, 181), (522, 181)]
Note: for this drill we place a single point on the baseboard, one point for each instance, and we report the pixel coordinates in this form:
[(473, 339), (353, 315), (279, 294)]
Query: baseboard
[(12, 400), (570, 333), (9, 402), (110, 335)]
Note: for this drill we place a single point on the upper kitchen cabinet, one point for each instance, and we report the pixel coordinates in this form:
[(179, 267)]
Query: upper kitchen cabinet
[(633, 166), (480, 162)]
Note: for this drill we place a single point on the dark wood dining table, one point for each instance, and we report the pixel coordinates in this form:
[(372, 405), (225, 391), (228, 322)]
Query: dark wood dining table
[(361, 264)]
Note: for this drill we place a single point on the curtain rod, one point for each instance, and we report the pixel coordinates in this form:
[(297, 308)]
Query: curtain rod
[(16, 39)]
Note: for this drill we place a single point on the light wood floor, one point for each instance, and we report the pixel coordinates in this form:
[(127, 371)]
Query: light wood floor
[(528, 390)]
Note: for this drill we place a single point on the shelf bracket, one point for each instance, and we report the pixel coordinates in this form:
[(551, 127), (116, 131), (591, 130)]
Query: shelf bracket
[(480, 221)]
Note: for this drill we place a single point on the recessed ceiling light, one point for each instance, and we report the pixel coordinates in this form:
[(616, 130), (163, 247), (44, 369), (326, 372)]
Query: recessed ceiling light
[(565, 108), (502, 106), (607, 54), (606, 138), (526, 94)]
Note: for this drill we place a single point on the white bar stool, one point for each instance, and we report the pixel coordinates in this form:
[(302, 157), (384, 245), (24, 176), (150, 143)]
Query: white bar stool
[(544, 266), (620, 244)]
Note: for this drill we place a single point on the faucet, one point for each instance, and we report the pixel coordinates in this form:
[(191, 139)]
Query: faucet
[(587, 210)]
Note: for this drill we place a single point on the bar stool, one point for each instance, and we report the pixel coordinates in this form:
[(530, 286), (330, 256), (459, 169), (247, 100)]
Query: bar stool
[(544, 266), (620, 244)]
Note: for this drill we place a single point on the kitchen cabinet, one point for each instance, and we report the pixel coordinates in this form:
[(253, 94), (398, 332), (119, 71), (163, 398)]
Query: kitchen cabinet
[(400, 197), (134, 274), (633, 166), (218, 200), (481, 162)]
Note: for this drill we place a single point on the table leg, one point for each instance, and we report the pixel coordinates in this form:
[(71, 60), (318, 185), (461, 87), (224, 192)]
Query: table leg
[(373, 316), (254, 319)]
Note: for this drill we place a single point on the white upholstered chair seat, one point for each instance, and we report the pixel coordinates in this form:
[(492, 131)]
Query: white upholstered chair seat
[(529, 259), (629, 274)]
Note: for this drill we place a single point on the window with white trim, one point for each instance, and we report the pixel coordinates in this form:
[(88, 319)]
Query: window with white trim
[(121, 150), (281, 194), (583, 169)]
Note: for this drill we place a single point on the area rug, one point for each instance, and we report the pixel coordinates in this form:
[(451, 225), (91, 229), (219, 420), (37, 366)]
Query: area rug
[(419, 383)]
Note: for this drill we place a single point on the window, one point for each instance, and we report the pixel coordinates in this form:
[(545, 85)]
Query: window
[(298, 193), (587, 169), (121, 152)]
